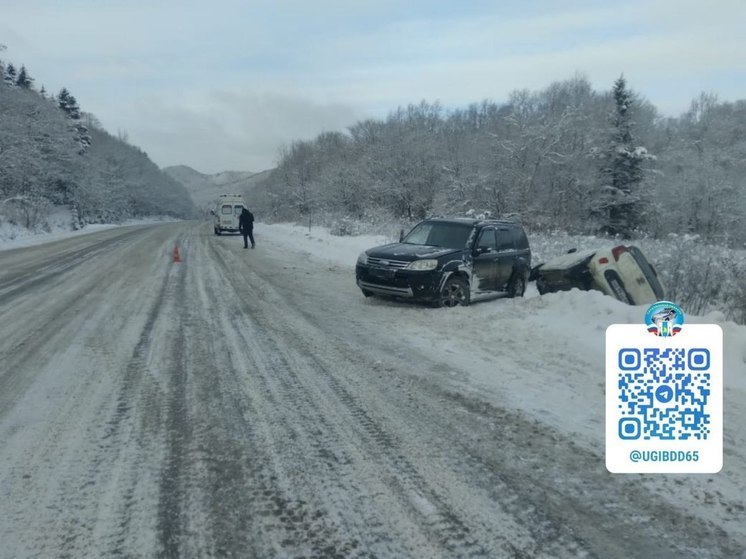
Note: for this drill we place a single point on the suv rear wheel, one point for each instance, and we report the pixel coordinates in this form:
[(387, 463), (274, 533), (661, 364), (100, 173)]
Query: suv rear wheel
[(455, 292), (517, 285)]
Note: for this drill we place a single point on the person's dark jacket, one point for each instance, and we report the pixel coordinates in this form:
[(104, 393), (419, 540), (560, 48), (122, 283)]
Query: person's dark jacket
[(246, 221)]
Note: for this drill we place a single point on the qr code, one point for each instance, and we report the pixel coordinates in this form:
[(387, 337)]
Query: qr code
[(663, 393)]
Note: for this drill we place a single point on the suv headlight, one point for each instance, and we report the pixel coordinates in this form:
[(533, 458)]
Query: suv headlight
[(363, 258), (423, 265)]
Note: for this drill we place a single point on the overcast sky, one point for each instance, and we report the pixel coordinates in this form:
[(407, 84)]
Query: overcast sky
[(222, 84)]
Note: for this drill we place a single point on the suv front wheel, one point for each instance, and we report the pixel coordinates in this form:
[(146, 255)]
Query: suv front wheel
[(455, 292)]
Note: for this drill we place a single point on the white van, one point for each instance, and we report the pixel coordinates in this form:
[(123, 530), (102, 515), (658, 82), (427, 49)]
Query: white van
[(226, 213)]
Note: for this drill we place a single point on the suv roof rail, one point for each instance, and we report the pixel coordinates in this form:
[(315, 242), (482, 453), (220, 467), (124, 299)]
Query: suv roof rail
[(513, 218), (509, 218), (500, 220)]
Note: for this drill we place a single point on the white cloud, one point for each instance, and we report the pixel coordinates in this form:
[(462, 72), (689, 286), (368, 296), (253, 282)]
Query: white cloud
[(228, 130), (264, 72)]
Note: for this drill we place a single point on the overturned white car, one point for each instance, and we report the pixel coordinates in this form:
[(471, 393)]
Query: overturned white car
[(622, 272)]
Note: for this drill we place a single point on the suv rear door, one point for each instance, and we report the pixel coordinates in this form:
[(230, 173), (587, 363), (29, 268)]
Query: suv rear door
[(506, 253), (485, 261)]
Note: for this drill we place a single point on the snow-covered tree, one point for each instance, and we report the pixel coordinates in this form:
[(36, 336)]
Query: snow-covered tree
[(69, 104), (619, 202), (42, 164), (24, 80), (10, 75), (530, 155), (703, 162)]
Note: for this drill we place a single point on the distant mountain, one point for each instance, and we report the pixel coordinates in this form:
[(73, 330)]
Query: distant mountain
[(204, 189)]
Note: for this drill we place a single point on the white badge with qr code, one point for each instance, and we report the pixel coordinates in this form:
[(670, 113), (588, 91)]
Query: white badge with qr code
[(664, 395)]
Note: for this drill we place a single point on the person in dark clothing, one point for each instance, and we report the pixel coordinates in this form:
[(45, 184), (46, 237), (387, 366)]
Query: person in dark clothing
[(246, 227)]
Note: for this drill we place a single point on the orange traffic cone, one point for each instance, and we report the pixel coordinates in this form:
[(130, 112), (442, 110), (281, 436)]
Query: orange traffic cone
[(177, 256)]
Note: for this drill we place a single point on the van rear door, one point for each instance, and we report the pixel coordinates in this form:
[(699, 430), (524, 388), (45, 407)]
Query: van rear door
[(226, 216)]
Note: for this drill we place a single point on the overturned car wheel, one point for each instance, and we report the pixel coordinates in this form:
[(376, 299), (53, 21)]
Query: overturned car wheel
[(455, 292)]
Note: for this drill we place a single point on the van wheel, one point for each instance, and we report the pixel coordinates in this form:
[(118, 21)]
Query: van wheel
[(217, 231), (367, 293), (455, 292), (517, 286)]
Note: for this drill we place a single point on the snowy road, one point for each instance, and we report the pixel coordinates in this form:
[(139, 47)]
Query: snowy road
[(252, 404)]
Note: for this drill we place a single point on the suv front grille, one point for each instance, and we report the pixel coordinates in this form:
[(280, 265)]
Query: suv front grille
[(386, 263)]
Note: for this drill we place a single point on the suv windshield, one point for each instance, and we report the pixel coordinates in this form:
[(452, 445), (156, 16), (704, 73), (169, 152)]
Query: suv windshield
[(439, 234)]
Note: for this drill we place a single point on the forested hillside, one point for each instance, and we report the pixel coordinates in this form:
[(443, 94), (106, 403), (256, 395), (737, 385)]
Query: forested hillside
[(51, 154), (204, 189), (567, 158)]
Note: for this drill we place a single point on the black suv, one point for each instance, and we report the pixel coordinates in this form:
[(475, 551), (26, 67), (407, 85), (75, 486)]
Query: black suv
[(447, 261)]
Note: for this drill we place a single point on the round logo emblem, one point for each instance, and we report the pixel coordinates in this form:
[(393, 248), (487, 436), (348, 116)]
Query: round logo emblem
[(664, 318)]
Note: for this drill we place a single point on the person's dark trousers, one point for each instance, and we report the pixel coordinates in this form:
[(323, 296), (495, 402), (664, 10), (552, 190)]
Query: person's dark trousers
[(250, 235)]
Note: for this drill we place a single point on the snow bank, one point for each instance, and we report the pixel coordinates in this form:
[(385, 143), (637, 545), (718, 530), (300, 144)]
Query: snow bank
[(60, 227)]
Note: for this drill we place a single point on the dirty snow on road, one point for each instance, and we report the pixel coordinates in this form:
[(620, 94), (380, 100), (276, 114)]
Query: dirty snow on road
[(252, 403)]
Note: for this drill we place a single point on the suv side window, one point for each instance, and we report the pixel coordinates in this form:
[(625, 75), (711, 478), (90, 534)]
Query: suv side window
[(521, 241), (487, 239), (505, 240)]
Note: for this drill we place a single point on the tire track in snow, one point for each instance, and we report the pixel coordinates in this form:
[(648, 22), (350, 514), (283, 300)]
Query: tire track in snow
[(430, 513), (513, 474), (25, 281), (246, 455), (560, 491), (122, 430), (172, 485), (80, 468)]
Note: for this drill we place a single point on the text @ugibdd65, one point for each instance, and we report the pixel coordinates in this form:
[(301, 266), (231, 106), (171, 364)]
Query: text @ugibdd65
[(664, 456)]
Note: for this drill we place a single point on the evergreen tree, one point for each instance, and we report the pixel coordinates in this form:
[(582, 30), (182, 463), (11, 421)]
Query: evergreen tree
[(24, 81), (83, 137), (620, 204), (69, 104), (10, 75)]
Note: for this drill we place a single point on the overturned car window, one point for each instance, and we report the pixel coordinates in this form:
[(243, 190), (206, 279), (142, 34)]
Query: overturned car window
[(649, 272)]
